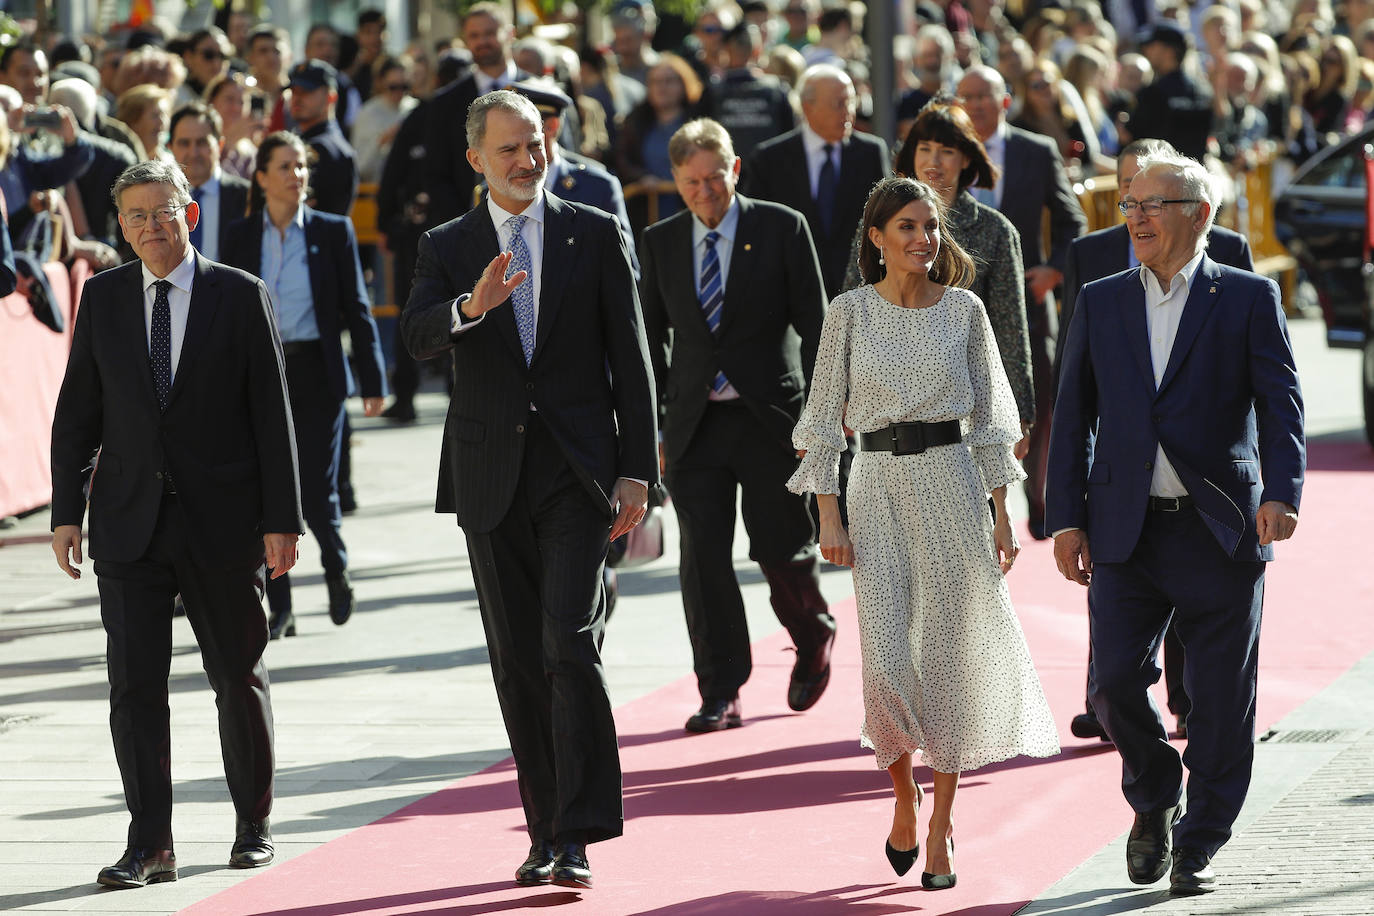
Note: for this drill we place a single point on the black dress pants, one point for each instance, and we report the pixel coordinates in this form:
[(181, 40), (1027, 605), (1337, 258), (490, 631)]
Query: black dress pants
[(539, 587), (318, 417), (225, 612), (728, 454)]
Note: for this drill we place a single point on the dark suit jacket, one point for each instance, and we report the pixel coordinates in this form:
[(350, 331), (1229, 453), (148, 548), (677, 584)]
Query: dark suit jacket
[(585, 181), (450, 178), (1107, 251), (339, 291), (334, 176), (770, 323), (226, 436), (1227, 408), (589, 376), (779, 173)]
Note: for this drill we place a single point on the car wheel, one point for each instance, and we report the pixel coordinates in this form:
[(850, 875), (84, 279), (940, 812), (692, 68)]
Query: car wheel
[(1367, 384)]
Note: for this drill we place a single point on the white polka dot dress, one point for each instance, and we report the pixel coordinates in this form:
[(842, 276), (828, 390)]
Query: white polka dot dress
[(946, 671)]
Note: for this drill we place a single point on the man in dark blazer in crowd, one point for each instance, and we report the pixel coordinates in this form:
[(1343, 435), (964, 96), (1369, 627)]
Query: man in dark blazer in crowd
[(334, 175), (549, 449), (197, 138), (487, 34), (175, 378), (823, 169), (1033, 180), (1100, 254), (733, 303), (1176, 460)]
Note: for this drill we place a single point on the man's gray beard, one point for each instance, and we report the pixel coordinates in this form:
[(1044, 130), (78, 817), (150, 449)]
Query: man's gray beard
[(507, 189)]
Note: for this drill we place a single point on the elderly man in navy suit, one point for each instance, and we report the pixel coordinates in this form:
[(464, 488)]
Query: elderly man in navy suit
[(1100, 254), (1177, 389)]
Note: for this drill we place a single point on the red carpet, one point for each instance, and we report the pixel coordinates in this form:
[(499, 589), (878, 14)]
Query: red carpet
[(788, 815)]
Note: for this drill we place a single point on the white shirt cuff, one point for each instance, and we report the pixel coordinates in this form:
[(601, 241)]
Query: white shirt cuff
[(457, 326), (1062, 531)]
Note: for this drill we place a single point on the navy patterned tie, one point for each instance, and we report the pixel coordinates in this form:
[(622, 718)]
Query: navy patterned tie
[(825, 189), (160, 343), (711, 292), (522, 298)]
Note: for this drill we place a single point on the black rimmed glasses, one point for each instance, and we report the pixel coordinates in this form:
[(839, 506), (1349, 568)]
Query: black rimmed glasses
[(1152, 206), (137, 219)]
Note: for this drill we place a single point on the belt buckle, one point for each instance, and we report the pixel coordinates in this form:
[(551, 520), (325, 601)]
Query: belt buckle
[(896, 444), (1168, 503)]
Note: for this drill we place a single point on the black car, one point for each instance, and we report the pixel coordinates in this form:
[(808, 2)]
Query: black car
[(1321, 217)]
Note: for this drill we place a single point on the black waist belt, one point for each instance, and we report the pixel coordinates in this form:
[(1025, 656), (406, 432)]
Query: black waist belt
[(292, 347), (1170, 503), (911, 438)]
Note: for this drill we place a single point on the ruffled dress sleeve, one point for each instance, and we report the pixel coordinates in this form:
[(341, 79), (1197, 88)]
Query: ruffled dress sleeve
[(820, 430), (994, 423)]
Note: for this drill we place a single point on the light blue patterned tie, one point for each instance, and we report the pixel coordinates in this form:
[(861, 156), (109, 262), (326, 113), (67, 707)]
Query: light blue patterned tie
[(711, 292), (522, 298)]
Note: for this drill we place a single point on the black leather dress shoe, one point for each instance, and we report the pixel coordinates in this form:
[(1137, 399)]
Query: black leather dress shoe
[(570, 868), (1147, 848), (400, 411), (252, 844), (1086, 725), (281, 623), (538, 866), (341, 601), (139, 866), (1192, 873), (810, 675), (715, 715)]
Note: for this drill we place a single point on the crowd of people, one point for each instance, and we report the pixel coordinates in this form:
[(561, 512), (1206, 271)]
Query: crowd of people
[(684, 261)]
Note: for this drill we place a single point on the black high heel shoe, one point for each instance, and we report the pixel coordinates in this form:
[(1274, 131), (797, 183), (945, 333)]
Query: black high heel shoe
[(940, 882), (902, 859)]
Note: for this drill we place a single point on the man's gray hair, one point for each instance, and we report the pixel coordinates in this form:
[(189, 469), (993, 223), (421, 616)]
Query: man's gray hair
[(154, 172), (818, 73), (79, 96), (990, 75), (1194, 181), (503, 100)]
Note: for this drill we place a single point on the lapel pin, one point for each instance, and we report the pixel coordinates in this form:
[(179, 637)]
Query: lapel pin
[(1212, 290), (570, 240), (748, 247), (314, 249), (569, 182)]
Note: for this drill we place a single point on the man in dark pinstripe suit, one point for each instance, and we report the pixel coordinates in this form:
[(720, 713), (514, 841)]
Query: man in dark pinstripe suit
[(549, 448)]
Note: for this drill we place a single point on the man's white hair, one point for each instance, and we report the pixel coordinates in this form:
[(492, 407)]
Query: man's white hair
[(818, 73), (1193, 181)]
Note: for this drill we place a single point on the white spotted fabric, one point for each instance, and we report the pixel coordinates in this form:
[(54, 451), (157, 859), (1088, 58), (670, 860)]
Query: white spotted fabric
[(946, 670)]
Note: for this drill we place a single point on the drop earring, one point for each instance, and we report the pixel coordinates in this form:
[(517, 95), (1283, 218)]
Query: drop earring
[(881, 261)]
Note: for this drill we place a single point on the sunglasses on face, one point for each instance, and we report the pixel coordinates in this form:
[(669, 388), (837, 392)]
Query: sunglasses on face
[(211, 54), (398, 87)]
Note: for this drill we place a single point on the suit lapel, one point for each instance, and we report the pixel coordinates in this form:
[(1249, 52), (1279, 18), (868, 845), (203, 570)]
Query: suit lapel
[(742, 260), (799, 179), (850, 170), (560, 247), (314, 260), (135, 326), (204, 303), (1202, 295), (1137, 329), (478, 236)]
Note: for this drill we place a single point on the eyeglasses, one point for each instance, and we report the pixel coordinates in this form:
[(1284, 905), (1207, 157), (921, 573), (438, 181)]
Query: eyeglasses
[(1152, 206), (211, 54), (137, 219)]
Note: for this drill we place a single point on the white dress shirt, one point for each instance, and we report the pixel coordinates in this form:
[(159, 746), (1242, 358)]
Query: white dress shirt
[(815, 145), (178, 298), (210, 201), (996, 147), (533, 234), (728, 228), (1163, 309), (487, 83)]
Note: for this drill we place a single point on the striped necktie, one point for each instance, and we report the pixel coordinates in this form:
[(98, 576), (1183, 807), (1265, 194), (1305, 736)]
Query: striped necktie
[(711, 292)]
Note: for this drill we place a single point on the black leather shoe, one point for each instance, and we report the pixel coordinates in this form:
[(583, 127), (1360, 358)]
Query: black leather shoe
[(715, 715), (1086, 725), (252, 844), (570, 868), (347, 503), (1192, 873), (933, 882), (810, 675), (281, 624), (400, 411), (1147, 848), (341, 603), (538, 865), (139, 866)]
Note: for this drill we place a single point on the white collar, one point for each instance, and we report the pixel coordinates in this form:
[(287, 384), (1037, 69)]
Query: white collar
[(499, 215), (728, 224), (1151, 282), (179, 276), (814, 143)]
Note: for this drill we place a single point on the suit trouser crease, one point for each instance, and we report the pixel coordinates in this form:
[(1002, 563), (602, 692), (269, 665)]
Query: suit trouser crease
[(318, 417), (727, 454), (539, 585), (1178, 571), (224, 609)]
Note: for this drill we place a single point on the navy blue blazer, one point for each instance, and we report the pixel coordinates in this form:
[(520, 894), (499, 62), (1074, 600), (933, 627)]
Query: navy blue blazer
[(1107, 251), (584, 181), (341, 299), (1228, 412)]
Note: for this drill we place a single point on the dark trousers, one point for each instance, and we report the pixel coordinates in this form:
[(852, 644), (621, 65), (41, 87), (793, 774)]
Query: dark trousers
[(319, 420), (1179, 571), (1038, 453), (539, 587), (225, 612), (728, 454), (1177, 693)]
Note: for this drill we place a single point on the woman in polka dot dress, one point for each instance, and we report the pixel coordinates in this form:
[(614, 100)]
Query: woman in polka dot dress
[(910, 362)]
